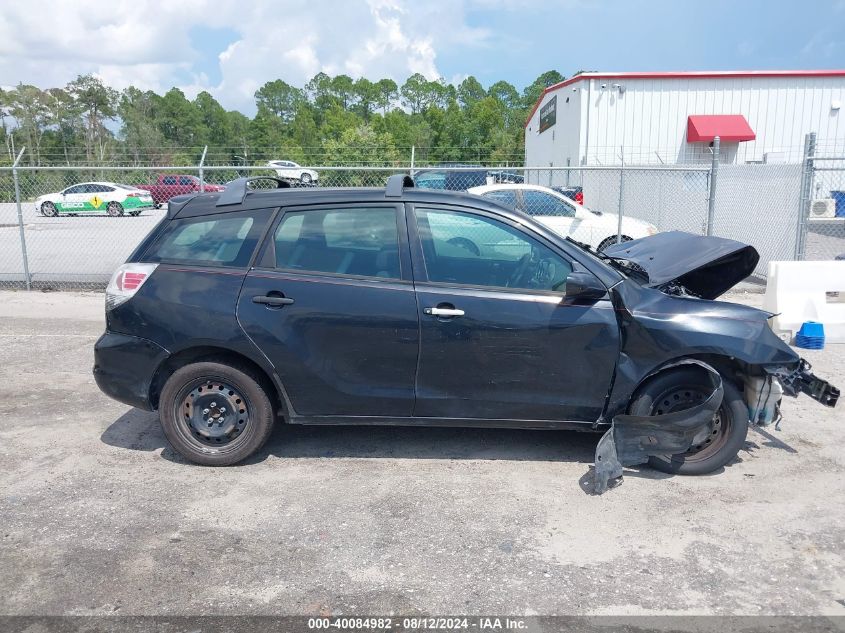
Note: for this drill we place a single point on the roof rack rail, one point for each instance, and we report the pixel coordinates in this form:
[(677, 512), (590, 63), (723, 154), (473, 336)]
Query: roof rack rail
[(236, 190), (396, 184)]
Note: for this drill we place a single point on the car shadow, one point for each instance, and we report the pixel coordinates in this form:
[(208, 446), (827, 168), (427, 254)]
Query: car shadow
[(140, 431)]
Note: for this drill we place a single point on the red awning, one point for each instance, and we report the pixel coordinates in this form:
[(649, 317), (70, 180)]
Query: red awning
[(703, 128)]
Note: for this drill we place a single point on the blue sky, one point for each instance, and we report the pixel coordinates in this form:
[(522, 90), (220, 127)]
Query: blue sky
[(231, 47)]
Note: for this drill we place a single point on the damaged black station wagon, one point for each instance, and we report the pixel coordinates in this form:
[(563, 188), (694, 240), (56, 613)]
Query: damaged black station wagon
[(418, 307)]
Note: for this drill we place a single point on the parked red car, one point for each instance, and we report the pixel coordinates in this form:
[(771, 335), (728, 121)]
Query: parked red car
[(169, 185)]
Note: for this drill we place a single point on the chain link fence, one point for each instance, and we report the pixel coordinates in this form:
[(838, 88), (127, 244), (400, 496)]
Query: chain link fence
[(71, 227)]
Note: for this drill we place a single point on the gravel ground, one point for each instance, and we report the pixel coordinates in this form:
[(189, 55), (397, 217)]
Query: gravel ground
[(99, 516)]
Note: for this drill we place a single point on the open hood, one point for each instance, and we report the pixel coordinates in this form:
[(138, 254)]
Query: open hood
[(706, 266)]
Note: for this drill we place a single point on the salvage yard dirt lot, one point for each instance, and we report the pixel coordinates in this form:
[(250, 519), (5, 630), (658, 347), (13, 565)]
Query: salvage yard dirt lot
[(98, 515)]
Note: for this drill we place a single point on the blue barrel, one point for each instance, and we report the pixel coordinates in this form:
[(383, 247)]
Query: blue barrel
[(839, 197)]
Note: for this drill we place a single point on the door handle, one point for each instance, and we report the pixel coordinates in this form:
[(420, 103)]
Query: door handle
[(444, 312), (272, 301)]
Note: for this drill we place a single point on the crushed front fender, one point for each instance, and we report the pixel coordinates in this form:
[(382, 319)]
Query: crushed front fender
[(632, 439)]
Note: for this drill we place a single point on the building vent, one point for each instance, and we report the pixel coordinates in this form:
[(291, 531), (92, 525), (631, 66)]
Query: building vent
[(823, 208)]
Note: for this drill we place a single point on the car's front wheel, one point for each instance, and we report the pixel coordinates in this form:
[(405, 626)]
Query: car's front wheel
[(305, 178), (215, 414), (684, 388), (49, 209)]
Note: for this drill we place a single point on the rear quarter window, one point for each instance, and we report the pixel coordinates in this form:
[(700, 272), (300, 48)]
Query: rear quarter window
[(214, 240)]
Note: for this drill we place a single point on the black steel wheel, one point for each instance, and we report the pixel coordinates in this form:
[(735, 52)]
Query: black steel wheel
[(215, 414), (684, 388)]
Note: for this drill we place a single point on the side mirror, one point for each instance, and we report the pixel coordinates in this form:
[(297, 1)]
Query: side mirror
[(584, 286)]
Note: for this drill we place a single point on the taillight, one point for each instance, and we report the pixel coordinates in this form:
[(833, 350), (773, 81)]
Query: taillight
[(126, 281), (134, 195), (579, 197)]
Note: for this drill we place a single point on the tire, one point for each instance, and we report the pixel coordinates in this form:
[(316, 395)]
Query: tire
[(245, 415), (135, 213), (114, 209), (49, 209), (305, 178), (611, 240), (730, 425)]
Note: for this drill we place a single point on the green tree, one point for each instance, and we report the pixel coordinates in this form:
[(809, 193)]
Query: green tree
[(28, 106), (280, 99), (366, 97), (470, 91), (97, 103), (416, 93), (386, 93), (179, 121), (142, 138), (533, 91)]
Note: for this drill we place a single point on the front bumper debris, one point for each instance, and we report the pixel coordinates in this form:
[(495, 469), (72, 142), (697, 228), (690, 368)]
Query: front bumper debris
[(802, 380), (632, 439)]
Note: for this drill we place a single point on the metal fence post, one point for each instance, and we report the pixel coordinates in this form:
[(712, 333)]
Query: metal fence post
[(621, 194), (202, 162), (24, 255), (413, 151), (711, 200), (806, 194)]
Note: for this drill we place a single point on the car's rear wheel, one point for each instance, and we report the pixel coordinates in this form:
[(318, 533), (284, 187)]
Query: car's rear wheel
[(215, 414), (49, 209), (114, 209), (684, 388), (305, 178), (135, 213), (608, 241)]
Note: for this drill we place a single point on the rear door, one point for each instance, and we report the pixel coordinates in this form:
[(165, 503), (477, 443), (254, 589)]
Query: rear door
[(498, 339), (332, 306)]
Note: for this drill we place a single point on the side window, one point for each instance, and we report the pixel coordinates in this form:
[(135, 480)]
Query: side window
[(75, 189), (351, 241), (217, 240), (507, 196), (185, 180), (104, 189), (541, 203), (169, 180), (460, 248)]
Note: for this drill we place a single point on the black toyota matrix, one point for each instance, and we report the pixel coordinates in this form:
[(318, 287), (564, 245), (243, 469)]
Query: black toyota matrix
[(419, 307)]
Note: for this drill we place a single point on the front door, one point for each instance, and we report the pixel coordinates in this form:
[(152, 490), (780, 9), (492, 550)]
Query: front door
[(332, 306), (498, 339)]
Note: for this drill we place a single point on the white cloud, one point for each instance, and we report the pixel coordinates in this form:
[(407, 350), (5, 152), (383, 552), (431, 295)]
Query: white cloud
[(148, 44)]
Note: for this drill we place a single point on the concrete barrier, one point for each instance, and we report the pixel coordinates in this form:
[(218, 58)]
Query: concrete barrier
[(807, 291)]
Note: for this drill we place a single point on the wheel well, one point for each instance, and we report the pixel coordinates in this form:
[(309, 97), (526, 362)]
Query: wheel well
[(216, 354), (612, 240), (729, 368)]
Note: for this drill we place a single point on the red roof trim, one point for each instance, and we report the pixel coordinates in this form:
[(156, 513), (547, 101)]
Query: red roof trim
[(695, 74), (731, 128)]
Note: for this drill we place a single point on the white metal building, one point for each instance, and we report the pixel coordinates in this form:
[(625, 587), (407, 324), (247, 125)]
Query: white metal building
[(672, 117)]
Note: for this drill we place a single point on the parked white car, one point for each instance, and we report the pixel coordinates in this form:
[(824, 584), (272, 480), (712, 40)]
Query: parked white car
[(289, 170), (565, 216)]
